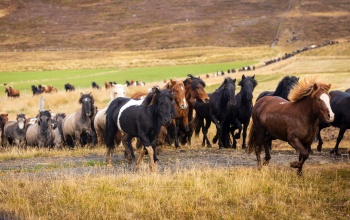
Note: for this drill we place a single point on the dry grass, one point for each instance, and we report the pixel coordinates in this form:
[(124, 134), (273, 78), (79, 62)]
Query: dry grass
[(239, 193)]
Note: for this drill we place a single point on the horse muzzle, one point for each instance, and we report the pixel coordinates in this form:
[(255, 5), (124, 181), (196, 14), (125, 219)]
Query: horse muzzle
[(166, 122)]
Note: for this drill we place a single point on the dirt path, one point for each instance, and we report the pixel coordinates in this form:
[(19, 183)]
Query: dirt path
[(171, 160)]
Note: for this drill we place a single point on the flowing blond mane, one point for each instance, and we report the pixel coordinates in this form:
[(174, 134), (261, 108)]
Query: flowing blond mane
[(305, 87)]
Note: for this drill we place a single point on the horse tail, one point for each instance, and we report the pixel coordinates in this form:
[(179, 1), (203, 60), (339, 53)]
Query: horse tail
[(197, 125), (251, 140), (111, 128)]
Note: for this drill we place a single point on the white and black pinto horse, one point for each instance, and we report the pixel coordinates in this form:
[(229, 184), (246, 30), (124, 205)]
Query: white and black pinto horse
[(15, 132), (75, 125), (41, 134), (117, 90), (139, 118)]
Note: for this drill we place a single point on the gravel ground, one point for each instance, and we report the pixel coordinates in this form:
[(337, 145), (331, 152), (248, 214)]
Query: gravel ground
[(171, 160)]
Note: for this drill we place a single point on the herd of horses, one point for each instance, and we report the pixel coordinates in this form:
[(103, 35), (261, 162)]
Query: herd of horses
[(295, 112)]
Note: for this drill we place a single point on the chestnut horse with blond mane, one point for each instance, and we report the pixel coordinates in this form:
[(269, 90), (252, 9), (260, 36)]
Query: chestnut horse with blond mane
[(295, 122)]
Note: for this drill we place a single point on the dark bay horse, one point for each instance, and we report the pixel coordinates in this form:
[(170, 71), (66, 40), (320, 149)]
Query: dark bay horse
[(340, 104), (218, 109), (41, 134), (15, 132), (11, 92), (283, 88), (69, 87), (242, 111), (295, 122), (139, 120), (75, 125), (181, 107)]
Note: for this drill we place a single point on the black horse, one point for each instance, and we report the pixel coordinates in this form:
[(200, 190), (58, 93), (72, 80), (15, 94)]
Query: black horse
[(15, 132), (94, 85), (69, 87), (218, 110), (139, 120), (283, 88), (242, 111), (36, 90), (340, 105)]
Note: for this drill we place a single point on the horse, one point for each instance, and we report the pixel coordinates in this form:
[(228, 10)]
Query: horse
[(181, 108), (41, 133), (217, 110), (283, 88), (243, 109), (69, 87), (295, 121), (11, 92), (14, 132), (3, 119), (36, 90), (94, 85), (76, 124), (117, 90), (58, 130), (139, 120), (51, 89), (108, 85), (340, 104)]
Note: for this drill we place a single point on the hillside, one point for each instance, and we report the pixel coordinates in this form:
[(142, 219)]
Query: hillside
[(150, 24)]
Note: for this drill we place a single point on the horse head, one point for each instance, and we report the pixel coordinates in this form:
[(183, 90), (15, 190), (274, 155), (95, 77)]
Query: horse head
[(195, 89), (117, 90), (179, 93), (87, 102), (21, 119), (44, 121), (323, 101), (247, 87), (229, 90), (163, 100)]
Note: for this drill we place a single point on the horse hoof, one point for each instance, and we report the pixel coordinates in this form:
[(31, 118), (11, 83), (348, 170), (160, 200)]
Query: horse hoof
[(209, 146), (266, 162), (294, 164), (319, 148)]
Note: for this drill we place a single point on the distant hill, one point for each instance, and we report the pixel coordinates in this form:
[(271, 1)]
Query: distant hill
[(155, 24)]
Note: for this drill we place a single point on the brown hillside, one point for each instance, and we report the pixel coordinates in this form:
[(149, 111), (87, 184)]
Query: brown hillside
[(148, 24)]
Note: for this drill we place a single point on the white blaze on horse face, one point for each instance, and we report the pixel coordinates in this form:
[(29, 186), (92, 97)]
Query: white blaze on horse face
[(132, 102), (185, 105), (325, 98), (85, 99), (21, 124)]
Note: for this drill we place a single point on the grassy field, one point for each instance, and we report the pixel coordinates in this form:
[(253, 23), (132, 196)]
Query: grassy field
[(83, 78), (240, 192)]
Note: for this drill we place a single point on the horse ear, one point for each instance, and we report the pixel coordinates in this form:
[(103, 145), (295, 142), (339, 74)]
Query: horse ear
[(243, 76), (253, 76), (81, 94), (234, 81), (315, 87), (328, 87)]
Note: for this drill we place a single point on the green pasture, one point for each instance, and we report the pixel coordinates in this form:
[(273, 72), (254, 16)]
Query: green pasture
[(83, 78)]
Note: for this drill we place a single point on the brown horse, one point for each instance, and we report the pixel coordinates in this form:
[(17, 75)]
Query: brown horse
[(181, 108), (11, 92), (295, 122)]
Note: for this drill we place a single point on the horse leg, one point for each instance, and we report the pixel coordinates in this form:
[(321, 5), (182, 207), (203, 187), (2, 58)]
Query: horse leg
[(128, 155), (244, 135), (109, 156), (320, 142), (93, 137), (267, 144), (339, 138), (151, 158), (175, 132), (139, 159), (205, 133), (303, 155)]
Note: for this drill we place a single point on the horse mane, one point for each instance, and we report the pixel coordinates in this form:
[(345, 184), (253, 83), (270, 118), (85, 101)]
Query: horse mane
[(45, 113), (285, 85), (252, 79), (306, 87), (154, 94), (86, 96), (195, 80)]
